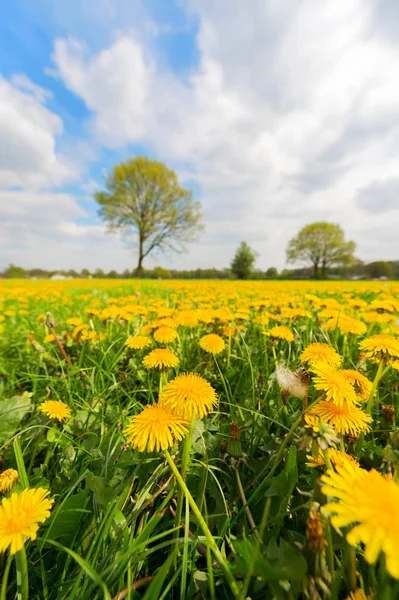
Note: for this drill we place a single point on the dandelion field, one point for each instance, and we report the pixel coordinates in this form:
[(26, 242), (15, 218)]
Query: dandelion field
[(167, 440)]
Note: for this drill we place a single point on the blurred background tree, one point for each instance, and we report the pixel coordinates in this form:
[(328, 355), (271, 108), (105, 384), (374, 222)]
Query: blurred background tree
[(243, 261), (380, 268), (271, 273), (322, 245), (144, 197)]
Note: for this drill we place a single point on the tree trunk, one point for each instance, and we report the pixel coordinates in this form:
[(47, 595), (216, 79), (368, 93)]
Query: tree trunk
[(139, 269), (316, 270)]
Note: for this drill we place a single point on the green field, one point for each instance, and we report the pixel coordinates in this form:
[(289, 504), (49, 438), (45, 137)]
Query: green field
[(235, 507)]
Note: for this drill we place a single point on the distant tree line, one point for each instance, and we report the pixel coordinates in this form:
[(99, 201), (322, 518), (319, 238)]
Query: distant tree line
[(143, 199), (358, 270)]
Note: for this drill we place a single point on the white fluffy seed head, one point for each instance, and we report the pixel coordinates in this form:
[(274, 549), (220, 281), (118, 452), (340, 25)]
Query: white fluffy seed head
[(291, 382)]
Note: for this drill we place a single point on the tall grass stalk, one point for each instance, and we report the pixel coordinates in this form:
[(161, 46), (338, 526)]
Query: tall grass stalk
[(205, 529)]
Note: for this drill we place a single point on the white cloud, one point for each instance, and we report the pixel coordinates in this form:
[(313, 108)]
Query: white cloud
[(293, 108), (380, 196), (37, 226), (115, 78), (28, 133), (22, 82), (39, 229)]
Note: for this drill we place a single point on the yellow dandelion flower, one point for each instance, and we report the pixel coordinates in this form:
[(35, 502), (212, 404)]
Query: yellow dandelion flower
[(160, 358), (280, 332), (212, 343), (146, 329), (189, 395), (370, 502), (335, 386), (7, 479), (359, 594), (55, 409), (312, 421), (373, 316), (382, 306), (168, 322), (361, 384), (165, 335), (345, 418), (229, 330), (50, 337), (353, 326), (346, 324), (86, 336), (137, 342), (20, 516), (156, 427), (187, 318), (75, 321), (318, 353), (78, 330), (205, 316), (337, 458), (378, 347), (241, 315)]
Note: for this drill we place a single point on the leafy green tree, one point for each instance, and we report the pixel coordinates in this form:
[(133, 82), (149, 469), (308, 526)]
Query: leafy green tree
[(243, 261), (72, 273), (271, 273), (14, 272), (322, 245), (380, 268), (144, 197), (161, 273)]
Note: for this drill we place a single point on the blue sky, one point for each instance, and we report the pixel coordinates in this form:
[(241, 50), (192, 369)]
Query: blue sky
[(275, 114)]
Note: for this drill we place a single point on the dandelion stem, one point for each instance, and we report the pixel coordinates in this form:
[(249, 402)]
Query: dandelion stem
[(330, 550), (61, 346), (327, 458), (183, 470), (377, 378), (23, 477), (263, 524), (245, 503), (4, 582), (22, 575), (352, 568), (201, 521), (275, 356), (163, 379)]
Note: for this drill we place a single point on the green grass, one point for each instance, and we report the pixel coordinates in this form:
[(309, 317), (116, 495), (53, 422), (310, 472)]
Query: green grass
[(112, 532)]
